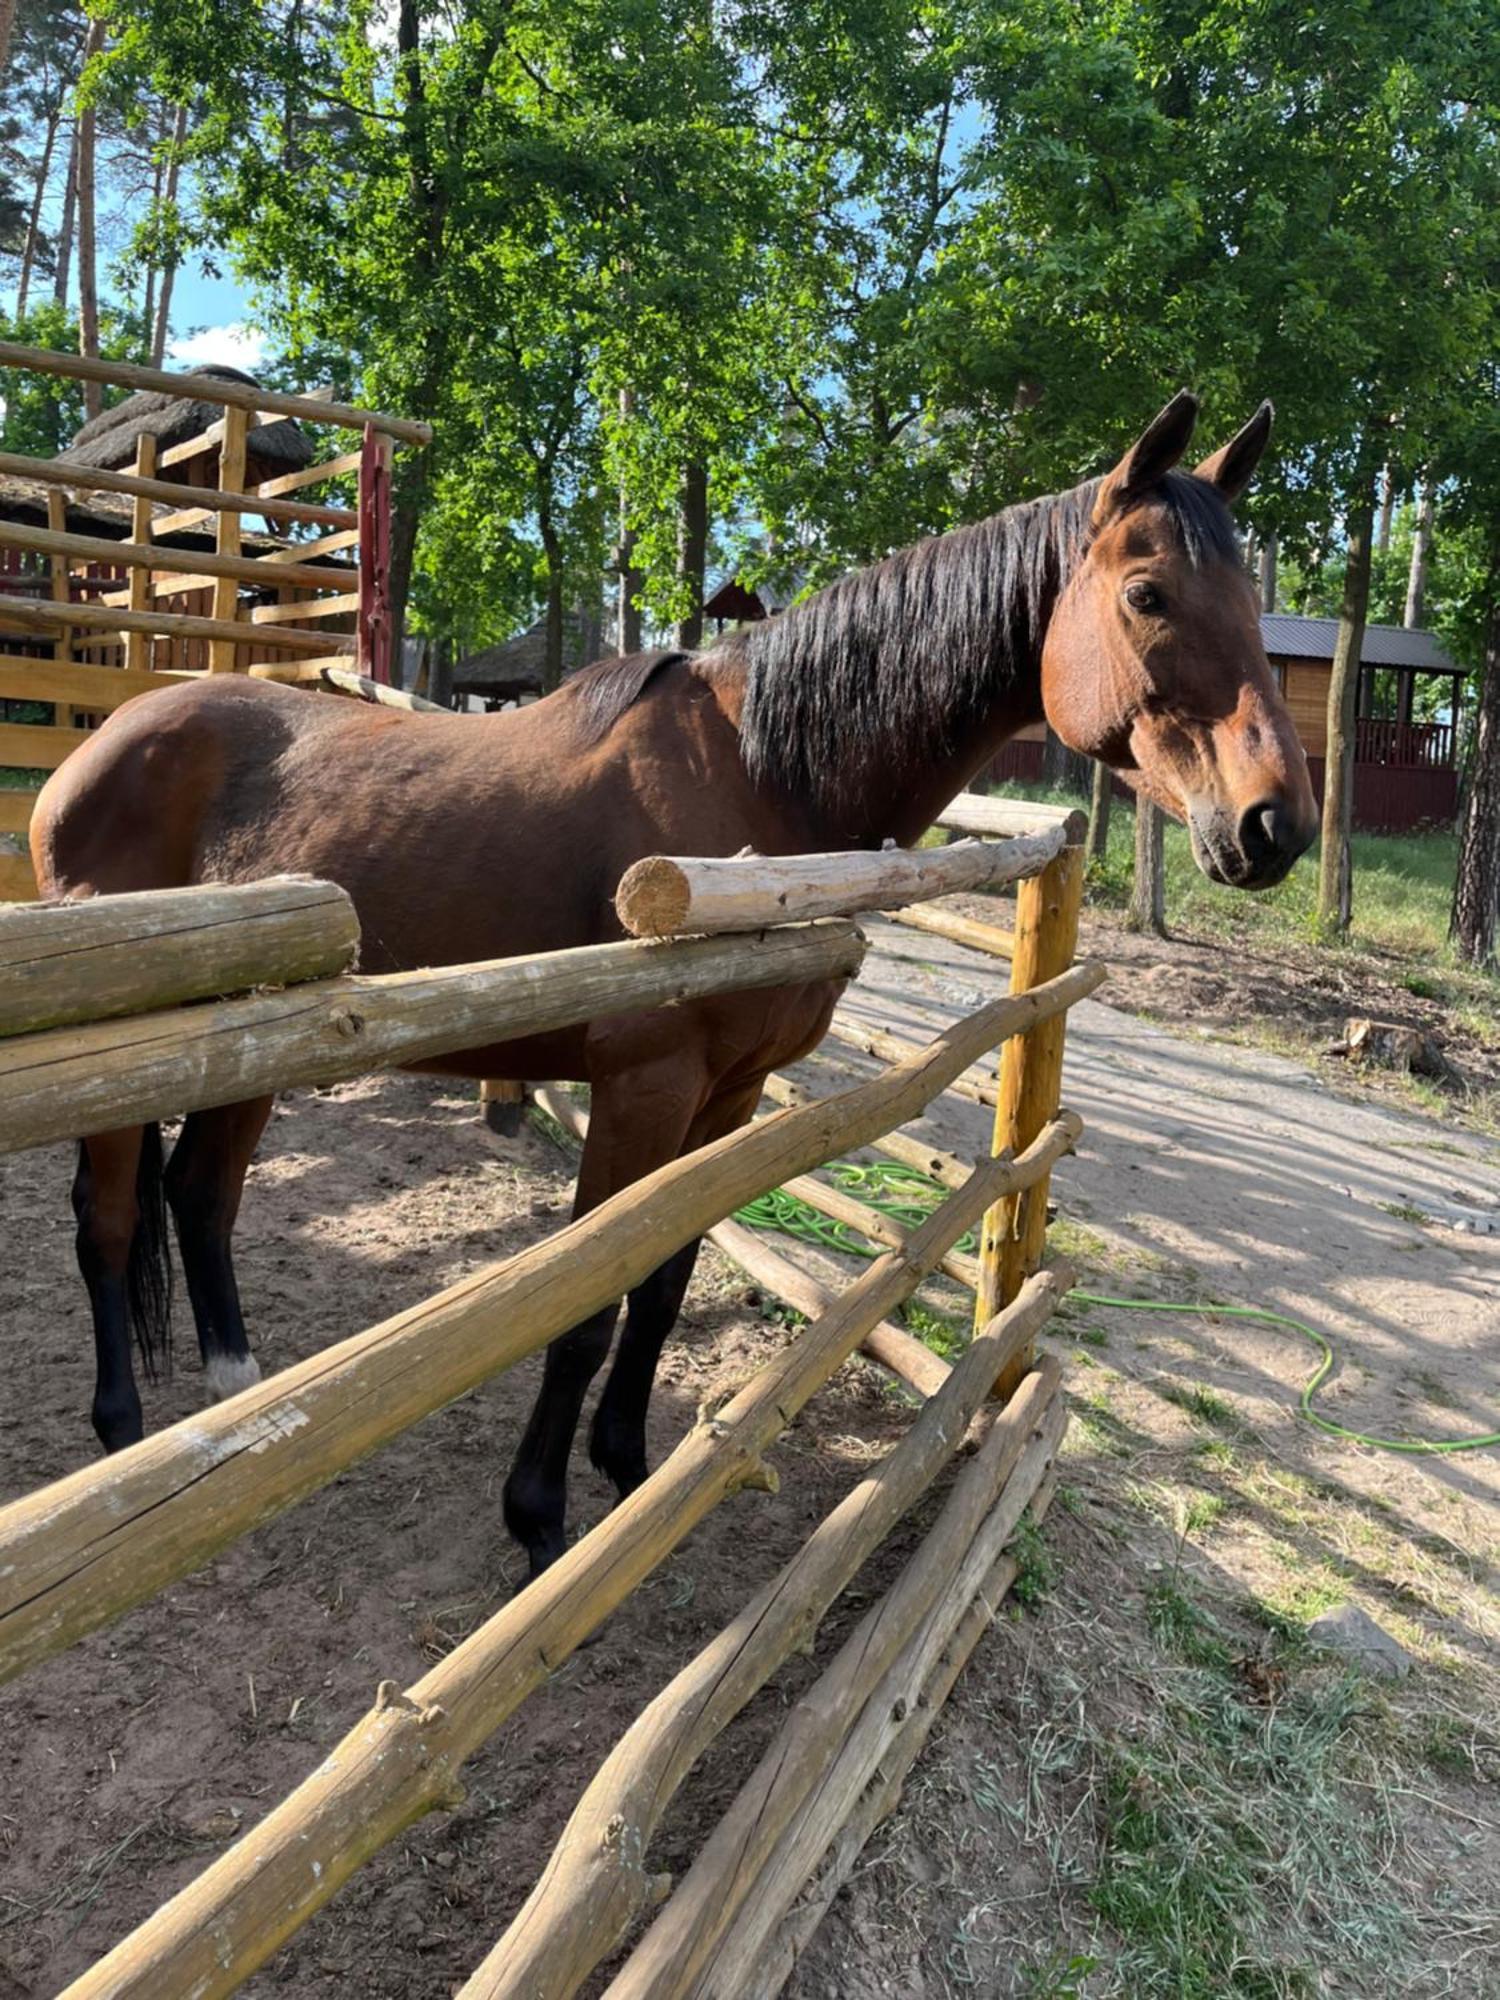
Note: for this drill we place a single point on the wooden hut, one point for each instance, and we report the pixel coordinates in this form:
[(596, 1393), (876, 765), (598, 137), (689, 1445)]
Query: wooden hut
[(188, 436)]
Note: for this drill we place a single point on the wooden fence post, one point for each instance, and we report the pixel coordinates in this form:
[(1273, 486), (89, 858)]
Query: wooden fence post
[(1015, 1229), (221, 652), (61, 592), (138, 645)]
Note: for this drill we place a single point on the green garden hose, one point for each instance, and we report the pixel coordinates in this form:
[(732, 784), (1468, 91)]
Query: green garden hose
[(909, 1196)]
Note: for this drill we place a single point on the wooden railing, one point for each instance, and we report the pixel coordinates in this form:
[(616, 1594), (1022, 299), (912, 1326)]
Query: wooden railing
[(1424, 746), (88, 621)]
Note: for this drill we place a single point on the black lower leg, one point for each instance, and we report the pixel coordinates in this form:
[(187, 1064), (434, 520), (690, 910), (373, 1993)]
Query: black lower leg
[(617, 1444), (105, 1232), (204, 1180), (536, 1493)]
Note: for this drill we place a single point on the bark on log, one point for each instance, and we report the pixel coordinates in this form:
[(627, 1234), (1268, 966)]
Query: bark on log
[(596, 1881), (943, 1167), (114, 955), (811, 1776), (887, 1047), (77, 1553), (70, 1082), (172, 624), (402, 1760), (979, 813), (205, 500), (767, 1975), (961, 930), (663, 896), (180, 562)]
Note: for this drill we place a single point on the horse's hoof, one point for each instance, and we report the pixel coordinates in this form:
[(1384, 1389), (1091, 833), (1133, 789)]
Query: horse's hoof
[(228, 1374)]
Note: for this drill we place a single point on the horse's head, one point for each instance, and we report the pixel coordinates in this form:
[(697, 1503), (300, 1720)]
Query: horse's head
[(1153, 661)]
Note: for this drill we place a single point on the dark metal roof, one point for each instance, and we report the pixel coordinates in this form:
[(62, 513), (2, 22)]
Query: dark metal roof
[(1287, 637)]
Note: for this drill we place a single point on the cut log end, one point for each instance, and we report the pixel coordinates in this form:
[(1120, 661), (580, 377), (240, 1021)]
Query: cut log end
[(653, 898)]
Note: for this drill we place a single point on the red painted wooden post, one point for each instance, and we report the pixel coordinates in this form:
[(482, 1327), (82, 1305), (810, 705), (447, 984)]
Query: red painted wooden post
[(374, 625)]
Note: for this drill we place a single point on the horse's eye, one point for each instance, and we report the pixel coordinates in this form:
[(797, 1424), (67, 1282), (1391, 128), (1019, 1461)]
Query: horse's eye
[(1143, 597)]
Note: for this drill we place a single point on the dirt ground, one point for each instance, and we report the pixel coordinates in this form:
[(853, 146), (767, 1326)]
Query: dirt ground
[(1147, 1781)]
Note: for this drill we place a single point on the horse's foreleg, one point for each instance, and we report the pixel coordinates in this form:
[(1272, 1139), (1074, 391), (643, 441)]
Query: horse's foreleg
[(620, 1148), (107, 1205), (205, 1179), (617, 1444)]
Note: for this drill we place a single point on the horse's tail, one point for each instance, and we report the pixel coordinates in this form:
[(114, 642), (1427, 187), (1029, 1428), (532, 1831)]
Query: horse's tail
[(148, 1279)]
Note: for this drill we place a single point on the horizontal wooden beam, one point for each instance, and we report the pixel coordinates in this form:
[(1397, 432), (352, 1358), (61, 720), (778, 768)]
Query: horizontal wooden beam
[(117, 955), (299, 673), (166, 624), (38, 746), (307, 607), (15, 810), (209, 389), (146, 555), (76, 1081), (325, 545), (17, 882), (667, 896), (344, 680), (310, 475), (86, 687), (978, 812), (992, 938), (206, 501)]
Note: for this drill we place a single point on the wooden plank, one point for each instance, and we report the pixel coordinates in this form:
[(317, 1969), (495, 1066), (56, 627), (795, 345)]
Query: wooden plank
[(225, 562), (89, 688), (209, 389), (15, 809), (57, 570), (17, 882), (961, 930), (200, 443), (206, 500), (306, 607), (35, 746), (31, 611), (116, 955), (325, 545), (99, 1079), (666, 896), (310, 475)]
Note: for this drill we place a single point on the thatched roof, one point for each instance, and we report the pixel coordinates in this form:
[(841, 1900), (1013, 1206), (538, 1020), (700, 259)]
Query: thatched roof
[(516, 666), (88, 513), (109, 439)]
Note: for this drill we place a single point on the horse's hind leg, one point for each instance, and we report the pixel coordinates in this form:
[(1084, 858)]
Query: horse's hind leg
[(205, 1178), (107, 1200), (617, 1444), (620, 1148)]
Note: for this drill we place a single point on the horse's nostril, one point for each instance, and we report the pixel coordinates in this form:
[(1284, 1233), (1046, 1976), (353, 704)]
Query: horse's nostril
[(1271, 828)]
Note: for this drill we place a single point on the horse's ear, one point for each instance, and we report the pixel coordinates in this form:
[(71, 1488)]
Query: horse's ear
[(1150, 458), (1233, 465)]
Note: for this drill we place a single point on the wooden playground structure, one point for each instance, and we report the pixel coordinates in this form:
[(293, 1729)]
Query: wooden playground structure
[(114, 1014), (87, 620)]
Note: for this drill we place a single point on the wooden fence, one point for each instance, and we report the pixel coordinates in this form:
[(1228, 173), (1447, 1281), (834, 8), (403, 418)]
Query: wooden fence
[(77, 1554), (87, 620)]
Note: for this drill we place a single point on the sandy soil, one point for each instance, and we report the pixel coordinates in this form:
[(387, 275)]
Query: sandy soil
[(1208, 1171)]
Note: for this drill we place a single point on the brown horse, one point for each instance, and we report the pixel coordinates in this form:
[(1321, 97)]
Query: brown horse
[(1121, 609)]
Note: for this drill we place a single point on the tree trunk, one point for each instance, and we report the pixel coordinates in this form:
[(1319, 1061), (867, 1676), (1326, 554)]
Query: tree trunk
[(64, 259), (552, 665), (1335, 880), (34, 220), (163, 322), (7, 22), (1475, 923), (408, 490), (1268, 574), (692, 550), (88, 263), (1387, 509), (440, 672), (628, 611), (1148, 893), (1063, 769), (1097, 844), (1421, 543)]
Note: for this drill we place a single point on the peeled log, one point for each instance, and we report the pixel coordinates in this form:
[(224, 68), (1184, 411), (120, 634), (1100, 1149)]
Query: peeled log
[(69, 1082), (665, 896), (976, 812), (113, 955)]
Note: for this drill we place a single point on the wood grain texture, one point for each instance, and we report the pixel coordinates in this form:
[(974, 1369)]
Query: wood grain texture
[(102, 1076), (117, 955), (668, 896), (977, 812)]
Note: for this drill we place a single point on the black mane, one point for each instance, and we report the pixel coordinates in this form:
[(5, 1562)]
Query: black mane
[(901, 662)]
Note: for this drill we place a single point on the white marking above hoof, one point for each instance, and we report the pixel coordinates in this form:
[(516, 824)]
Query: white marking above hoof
[(227, 1374)]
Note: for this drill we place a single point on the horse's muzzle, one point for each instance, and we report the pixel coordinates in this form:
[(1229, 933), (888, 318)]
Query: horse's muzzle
[(1255, 852)]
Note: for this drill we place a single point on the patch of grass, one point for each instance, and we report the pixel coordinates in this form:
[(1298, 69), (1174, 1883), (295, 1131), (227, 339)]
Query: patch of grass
[(1034, 1567), (1076, 1241), (1204, 1406), (1090, 1336), (1181, 1628), (1405, 1211), (934, 1329)]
